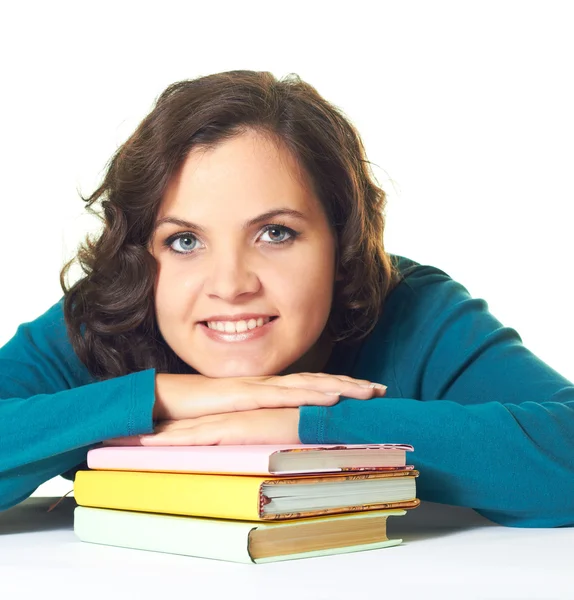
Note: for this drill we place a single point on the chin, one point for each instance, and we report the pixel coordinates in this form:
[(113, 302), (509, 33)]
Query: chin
[(220, 371), (254, 366)]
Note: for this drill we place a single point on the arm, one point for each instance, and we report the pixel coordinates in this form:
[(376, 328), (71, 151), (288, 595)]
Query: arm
[(492, 425), (52, 412)]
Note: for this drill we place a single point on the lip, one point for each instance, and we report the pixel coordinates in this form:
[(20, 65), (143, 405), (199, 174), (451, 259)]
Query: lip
[(244, 336)]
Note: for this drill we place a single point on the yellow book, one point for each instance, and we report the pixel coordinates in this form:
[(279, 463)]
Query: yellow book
[(243, 497)]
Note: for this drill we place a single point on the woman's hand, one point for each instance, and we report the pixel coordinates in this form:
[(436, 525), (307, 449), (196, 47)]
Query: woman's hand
[(192, 396), (262, 426)]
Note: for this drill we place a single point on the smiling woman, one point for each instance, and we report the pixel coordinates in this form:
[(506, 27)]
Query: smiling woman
[(240, 293), (222, 163)]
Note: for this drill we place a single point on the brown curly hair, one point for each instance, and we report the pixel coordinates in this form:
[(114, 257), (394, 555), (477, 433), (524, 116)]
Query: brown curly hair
[(110, 312)]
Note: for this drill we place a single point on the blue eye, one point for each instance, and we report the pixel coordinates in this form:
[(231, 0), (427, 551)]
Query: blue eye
[(182, 243), (187, 243), (279, 231)]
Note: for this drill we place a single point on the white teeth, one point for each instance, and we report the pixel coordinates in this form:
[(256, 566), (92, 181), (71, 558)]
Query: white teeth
[(237, 326)]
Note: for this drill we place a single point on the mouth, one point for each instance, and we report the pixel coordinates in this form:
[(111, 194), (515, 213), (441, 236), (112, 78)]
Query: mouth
[(240, 331), (266, 319)]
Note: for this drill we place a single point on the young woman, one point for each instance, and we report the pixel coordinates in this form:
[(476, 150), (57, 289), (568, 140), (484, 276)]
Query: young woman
[(240, 283)]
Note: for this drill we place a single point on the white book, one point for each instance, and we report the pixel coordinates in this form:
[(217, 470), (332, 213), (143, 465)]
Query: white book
[(236, 541)]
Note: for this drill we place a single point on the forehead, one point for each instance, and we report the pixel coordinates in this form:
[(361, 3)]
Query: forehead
[(250, 171)]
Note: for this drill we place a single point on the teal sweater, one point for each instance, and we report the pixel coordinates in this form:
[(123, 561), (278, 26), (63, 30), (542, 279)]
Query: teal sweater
[(492, 425)]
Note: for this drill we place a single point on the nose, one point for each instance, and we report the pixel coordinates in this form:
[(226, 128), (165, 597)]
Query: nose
[(231, 275)]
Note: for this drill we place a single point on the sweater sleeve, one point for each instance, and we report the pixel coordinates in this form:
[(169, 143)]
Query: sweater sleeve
[(52, 412), (492, 425)]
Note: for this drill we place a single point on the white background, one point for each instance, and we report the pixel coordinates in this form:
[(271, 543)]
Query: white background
[(465, 108)]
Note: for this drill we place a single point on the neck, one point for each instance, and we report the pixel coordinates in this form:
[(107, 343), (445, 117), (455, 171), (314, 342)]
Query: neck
[(315, 359)]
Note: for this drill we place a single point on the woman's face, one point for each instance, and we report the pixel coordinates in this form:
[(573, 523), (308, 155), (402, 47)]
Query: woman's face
[(246, 262)]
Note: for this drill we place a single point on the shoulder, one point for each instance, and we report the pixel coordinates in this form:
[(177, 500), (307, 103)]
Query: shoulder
[(417, 275), (429, 331), (412, 315), (50, 321), (50, 326), (429, 313), (44, 345), (428, 304), (424, 286)]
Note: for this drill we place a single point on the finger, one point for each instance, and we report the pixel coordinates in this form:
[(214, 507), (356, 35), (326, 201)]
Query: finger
[(342, 377), (318, 379), (365, 383), (346, 387), (189, 436), (163, 426), (272, 396), (234, 428), (253, 397), (133, 440)]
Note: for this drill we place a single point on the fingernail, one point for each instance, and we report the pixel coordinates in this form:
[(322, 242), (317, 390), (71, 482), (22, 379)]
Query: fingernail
[(375, 386)]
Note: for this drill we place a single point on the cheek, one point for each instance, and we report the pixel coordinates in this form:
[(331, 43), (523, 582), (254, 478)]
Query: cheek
[(308, 290), (173, 292)]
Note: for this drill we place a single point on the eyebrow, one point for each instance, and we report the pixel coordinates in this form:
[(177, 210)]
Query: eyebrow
[(267, 216)]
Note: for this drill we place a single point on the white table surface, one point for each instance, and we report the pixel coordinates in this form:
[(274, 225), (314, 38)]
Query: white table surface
[(447, 552)]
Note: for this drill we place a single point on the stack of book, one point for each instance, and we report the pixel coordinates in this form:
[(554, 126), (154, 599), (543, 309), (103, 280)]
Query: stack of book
[(244, 503)]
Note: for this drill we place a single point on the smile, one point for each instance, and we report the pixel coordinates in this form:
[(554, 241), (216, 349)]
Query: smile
[(237, 326), (239, 331)]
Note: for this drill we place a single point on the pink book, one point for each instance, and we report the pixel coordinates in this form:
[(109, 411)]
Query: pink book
[(252, 460)]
